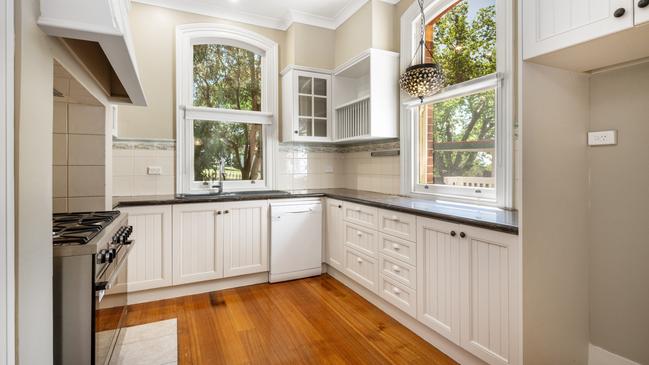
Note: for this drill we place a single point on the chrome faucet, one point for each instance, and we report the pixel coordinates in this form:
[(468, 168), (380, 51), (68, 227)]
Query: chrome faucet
[(221, 176)]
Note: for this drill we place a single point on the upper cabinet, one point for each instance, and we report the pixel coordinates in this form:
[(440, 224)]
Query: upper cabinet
[(366, 97), (585, 35), (359, 102), (97, 33), (306, 105)]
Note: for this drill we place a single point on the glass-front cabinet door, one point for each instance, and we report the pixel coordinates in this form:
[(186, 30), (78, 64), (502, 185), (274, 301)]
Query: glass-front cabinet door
[(311, 114)]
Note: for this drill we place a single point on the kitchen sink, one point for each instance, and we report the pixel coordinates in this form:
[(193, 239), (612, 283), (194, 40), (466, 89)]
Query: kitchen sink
[(234, 194)]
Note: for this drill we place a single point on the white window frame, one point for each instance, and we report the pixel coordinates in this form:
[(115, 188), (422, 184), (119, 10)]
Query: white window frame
[(206, 33), (7, 278), (502, 81)]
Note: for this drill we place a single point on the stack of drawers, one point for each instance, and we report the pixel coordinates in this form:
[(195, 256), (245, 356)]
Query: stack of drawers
[(380, 253)]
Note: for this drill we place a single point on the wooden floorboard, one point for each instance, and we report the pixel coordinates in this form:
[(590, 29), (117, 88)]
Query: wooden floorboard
[(309, 321)]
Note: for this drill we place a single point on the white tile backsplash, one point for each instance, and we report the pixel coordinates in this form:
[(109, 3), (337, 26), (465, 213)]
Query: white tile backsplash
[(60, 118), (296, 168), (130, 176)]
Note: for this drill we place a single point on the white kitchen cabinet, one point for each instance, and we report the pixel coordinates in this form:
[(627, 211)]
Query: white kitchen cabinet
[(468, 288), (362, 215), (551, 25), (366, 97), (490, 295), (242, 232), (149, 262), (197, 251), (334, 246), (438, 277), (362, 268), (641, 13), (361, 239), (306, 105)]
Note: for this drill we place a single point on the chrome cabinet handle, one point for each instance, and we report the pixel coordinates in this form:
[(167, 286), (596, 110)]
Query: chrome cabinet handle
[(359, 260), (359, 233), (396, 291), (396, 268), (396, 247)]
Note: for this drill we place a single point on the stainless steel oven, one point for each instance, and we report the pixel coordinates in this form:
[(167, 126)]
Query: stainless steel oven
[(90, 299)]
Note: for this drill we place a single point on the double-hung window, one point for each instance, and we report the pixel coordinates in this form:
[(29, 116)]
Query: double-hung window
[(458, 143), (226, 97)]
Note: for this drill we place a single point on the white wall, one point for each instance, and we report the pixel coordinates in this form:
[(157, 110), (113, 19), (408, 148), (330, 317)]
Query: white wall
[(7, 343)]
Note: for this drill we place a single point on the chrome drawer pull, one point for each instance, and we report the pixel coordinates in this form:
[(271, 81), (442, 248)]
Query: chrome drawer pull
[(395, 246), (396, 268), (396, 290), (359, 260)]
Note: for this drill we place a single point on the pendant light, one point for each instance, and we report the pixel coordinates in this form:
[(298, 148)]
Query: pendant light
[(423, 79)]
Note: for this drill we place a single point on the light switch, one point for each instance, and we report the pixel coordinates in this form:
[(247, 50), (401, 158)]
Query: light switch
[(154, 170), (602, 138)]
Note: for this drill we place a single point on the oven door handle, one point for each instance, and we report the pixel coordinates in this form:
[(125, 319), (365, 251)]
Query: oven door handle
[(106, 285)]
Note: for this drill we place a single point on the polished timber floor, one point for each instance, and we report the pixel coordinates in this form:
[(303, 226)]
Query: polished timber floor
[(309, 321)]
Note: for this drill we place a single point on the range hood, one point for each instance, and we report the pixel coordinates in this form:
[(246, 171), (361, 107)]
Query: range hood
[(97, 33)]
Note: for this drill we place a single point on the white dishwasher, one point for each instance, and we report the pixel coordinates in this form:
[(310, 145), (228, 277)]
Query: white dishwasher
[(296, 239)]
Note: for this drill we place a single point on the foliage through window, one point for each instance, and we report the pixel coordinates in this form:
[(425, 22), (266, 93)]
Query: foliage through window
[(456, 144), (227, 77), (226, 105), (239, 144)]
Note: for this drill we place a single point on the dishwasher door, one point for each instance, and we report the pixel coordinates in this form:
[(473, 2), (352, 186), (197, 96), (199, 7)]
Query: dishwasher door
[(296, 241)]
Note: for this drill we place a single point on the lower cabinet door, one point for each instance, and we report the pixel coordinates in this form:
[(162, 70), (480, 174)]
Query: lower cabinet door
[(149, 262), (242, 231), (438, 277), (197, 254), (334, 247), (362, 269), (490, 295), (398, 294)]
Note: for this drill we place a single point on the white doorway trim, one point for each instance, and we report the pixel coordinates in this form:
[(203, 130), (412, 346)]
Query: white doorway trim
[(7, 310)]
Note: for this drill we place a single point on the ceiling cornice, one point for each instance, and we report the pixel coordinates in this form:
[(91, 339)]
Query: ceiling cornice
[(292, 16)]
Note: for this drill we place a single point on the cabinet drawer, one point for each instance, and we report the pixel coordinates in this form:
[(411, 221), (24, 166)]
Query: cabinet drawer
[(398, 270), (362, 239), (361, 214), (361, 268), (398, 224), (403, 250), (399, 295)]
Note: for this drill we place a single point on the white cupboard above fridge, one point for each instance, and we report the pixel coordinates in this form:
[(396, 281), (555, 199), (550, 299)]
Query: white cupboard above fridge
[(97, 33), (585, 35)]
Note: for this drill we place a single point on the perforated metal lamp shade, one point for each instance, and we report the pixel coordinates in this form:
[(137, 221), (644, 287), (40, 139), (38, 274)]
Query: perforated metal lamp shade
[(422, 80)]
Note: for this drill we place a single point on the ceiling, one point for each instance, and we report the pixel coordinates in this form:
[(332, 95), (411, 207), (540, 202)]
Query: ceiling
[(278, 14)]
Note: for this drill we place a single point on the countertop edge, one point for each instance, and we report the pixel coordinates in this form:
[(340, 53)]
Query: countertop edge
[(504, 228)]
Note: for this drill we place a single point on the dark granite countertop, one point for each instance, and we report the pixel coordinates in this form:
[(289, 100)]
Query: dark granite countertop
[(484, 217)]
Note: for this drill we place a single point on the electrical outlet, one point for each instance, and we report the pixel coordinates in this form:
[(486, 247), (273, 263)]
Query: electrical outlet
[(602, 138), (154, 170)]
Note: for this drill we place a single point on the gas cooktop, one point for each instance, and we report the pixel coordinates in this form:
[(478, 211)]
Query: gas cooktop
[(79, 228)]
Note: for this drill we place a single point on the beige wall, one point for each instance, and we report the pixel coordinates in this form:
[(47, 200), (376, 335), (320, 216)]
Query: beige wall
[(35, 53), (554, 216), (619, 229), (372, 26), (354, 35), (154, 34), (311, 46)]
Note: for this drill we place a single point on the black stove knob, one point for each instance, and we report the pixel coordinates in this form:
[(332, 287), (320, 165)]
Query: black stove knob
[(101, 256), (112, 254)]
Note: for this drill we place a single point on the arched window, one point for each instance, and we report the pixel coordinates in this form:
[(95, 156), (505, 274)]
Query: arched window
[(226, 105), (458, 143)]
